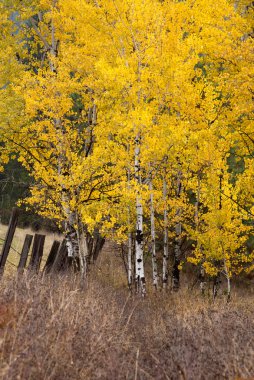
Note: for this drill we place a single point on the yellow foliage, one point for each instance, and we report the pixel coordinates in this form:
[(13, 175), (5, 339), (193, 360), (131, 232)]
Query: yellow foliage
[(80, 80)]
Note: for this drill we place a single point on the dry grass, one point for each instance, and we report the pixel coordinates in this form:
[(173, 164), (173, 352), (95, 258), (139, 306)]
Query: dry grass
[(17, 244), (50, 329)]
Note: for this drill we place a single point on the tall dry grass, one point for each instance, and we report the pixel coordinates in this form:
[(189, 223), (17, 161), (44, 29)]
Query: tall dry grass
[(51, 329)]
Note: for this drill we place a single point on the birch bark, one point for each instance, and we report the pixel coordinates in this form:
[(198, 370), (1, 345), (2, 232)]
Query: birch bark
[(202, 271), (139, 265), (178, 231), (129, 265), (71, 233), (130, 260), (82, 249), (228, 281), (165, 238), (216, 281), (153, 241)]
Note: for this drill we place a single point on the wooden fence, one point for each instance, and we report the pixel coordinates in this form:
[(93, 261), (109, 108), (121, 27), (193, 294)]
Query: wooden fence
[(57, 259)]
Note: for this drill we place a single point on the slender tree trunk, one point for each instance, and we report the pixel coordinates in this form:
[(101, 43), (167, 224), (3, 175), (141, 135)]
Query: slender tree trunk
[(140, 273), (153, 241), (52, 48), (200, 248), (228, 281), (165, 238), (71, 234), (216, 282), (72, 243), (70, 231), (129, 265), (178, 231), (54, 43), (130, 261), (202, 279), (82, 249), (139, 265)]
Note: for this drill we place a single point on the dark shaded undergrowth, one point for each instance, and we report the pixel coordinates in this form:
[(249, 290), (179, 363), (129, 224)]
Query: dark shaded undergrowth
[(49, 329)]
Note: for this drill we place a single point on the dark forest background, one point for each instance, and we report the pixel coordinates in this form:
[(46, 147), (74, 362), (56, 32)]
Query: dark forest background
[(14, 186)]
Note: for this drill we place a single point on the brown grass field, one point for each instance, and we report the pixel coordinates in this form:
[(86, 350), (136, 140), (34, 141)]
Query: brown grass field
[(50, 328)]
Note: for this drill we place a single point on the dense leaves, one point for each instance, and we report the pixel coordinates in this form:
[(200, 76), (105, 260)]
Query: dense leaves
[(81, 81)]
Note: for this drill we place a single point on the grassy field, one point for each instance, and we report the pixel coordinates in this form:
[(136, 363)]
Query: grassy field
[(17, 244), (51, 329)]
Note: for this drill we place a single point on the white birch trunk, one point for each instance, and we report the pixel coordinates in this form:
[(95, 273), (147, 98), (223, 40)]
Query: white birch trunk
[(165, 238), (129, 265), (71, 234), (82, 249), (202, 279), (76, 240), (178, 231), (130, 260), (153, 241), (216, 281), (228, 281), (202, 270), (139, 259), (140, 273)]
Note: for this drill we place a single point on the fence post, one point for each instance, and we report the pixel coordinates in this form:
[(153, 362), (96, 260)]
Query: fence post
[(24, 252), (37, 252), (62, 259), (51, 257), (8, 239)]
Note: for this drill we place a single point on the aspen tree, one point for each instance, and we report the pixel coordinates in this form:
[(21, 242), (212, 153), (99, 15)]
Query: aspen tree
[(178, 231), (130, 277), (63, 134), (153, 234), (139, 264), (165, 236), (197, 211)]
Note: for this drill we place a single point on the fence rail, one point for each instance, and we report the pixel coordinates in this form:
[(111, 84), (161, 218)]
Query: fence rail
[(56, 261)]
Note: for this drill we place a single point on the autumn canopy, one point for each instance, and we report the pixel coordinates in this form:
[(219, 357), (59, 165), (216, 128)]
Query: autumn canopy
[(135, 119)]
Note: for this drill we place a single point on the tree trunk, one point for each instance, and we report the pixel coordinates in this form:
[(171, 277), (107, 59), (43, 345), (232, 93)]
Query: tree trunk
[(202, 279), (216, 282), (71, 234), (228, 281), (200, 248), (129, 267), (178, 231), (153, 242), (140, 272), (165, 238), (82, 250)]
